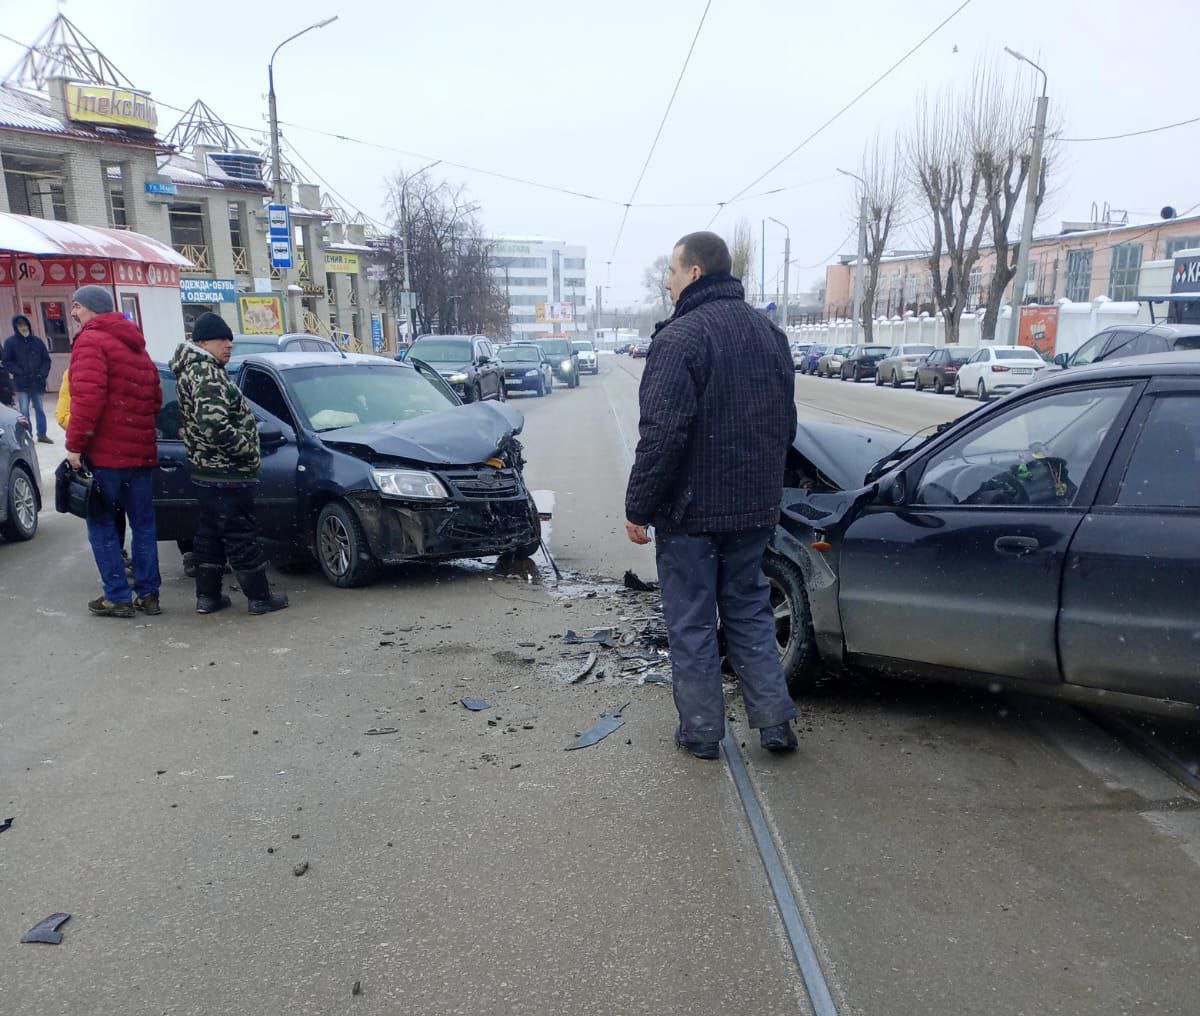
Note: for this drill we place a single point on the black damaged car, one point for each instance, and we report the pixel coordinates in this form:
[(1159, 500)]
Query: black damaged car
[(1048, 543), (365, 462)]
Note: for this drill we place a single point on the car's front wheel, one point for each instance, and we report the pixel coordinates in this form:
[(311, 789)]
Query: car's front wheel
[(878, 379), (793, 623), (982, 391), (22, 521), (917, 385), (895, 379), (342, 550)]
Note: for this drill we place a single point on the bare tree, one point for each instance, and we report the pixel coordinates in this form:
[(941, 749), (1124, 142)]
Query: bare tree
[(883, 185), (654, 279), (1001, 116), (743, 249), (450, 259), (948, 177)]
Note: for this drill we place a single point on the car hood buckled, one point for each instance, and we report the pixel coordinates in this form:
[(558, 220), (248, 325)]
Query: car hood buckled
[(453, 437)]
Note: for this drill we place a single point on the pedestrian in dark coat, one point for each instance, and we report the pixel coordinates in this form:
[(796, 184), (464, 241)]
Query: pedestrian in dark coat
[(27, 361), (115, 399), (717, 418)]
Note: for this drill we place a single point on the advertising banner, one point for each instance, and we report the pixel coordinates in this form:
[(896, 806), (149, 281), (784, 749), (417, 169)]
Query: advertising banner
[(545, 313), (344, 263), (261, 315), (208, 290), (377, 333), (1039, 329), (113, 107)]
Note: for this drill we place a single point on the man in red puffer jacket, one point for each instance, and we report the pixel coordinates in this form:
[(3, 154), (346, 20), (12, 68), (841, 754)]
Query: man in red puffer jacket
[(115, 399)]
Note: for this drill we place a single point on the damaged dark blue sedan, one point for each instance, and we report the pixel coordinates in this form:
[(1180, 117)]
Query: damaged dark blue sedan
[(1048, 543), (365, 462)]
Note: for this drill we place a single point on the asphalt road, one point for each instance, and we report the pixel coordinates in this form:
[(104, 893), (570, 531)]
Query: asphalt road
[(953, 852)]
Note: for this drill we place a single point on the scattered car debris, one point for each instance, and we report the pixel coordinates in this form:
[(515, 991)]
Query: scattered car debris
[(6, 824), (381, 730), (655, 677), (356, 987), (608, 723), (476, 705), (638, 585), (300, 869), (586, 669), (46, 930), (596, 636)]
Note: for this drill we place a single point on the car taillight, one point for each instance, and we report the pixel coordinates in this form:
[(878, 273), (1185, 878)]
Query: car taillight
[(999, 368), (951, 368)]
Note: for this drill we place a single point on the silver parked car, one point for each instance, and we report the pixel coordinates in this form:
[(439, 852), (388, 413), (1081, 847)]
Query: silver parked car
[(831, 363), (20, 495), (901, 363)]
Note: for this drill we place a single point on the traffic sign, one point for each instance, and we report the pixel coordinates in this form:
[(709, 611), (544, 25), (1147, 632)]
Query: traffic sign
[(279, 234)]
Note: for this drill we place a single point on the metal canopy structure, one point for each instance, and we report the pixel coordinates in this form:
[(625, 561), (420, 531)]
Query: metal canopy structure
[(27, 234), (62, 50), (201, 126)]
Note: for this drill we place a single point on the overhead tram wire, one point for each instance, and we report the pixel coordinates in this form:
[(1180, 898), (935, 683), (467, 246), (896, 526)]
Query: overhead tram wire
[(658, 134), (1133, 134), (846, 108)]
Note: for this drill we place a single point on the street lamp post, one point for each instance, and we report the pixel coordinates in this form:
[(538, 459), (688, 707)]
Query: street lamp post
[(787, 257), (857, 312), (285, 274), (1031, 189), (408, 300)]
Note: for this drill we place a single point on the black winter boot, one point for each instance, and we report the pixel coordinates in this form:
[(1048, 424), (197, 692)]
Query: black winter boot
[(258, 591), (209, 598)]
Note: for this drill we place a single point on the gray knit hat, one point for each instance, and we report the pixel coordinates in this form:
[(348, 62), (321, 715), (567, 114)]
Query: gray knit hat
[(95, 298)]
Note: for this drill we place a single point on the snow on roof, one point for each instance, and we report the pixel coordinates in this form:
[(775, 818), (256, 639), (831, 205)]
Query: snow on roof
[(26, 234)]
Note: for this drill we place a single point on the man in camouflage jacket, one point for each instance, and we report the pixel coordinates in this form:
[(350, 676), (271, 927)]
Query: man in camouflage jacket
[(221, 436)]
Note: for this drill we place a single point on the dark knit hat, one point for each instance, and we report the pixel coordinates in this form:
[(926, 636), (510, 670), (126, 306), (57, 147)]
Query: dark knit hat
[(210, 327), (95, 298)]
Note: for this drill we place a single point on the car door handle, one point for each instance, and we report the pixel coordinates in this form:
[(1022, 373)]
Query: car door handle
[(1018, 545)]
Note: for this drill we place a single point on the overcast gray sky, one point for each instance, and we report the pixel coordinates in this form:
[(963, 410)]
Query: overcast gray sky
[(570, 94)]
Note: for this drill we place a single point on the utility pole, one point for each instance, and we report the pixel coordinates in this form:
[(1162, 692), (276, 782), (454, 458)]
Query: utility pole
[(1031, 190), (787, 257), (285, 274), (762, 274)]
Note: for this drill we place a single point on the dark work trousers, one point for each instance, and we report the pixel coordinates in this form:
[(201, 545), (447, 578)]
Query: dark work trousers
[(703, 575), (227, 527)]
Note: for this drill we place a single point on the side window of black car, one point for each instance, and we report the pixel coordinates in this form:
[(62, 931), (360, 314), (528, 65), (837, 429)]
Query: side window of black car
[(261, 389), (1164, 469), (1036, 454), (168, 424)]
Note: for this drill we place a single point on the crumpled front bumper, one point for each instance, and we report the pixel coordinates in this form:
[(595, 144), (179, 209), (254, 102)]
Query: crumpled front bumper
[(402, 531)]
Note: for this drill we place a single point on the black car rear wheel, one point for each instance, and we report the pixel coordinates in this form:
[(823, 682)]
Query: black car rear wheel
[(22, 521), (342, 550), (793, 623)]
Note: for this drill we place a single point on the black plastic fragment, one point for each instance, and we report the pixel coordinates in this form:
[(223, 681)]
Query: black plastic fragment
[(6, 824), (381, 730), (598, 636), (638, 585), (46, 930), (608, 723)]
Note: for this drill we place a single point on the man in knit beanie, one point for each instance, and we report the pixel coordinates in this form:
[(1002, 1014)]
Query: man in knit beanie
[(115, 399)]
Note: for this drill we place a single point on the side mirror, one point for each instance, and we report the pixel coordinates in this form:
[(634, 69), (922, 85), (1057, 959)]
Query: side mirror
[(1062, 359), (894, 490), (270, 436)]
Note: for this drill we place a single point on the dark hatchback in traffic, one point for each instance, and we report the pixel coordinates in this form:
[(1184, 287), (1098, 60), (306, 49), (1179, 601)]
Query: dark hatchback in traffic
[(1047, 543), (365, 462), (859, 364), (467, 362), (564, 359)]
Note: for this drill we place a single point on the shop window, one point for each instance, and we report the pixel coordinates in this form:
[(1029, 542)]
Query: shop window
[(1182, 243)]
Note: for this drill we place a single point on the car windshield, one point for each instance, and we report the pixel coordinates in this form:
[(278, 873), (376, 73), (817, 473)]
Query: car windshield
[(348, 395), (584, 347), (441, 350), (1017, 354), (520, 354), (247, 347), (877, 353), (556, 347)]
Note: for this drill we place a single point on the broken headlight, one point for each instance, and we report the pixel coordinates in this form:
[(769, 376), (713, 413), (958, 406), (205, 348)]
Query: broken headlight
[(458, 379), (409, 483)]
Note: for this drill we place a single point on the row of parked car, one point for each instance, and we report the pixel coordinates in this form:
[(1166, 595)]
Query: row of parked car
[(981, 371)]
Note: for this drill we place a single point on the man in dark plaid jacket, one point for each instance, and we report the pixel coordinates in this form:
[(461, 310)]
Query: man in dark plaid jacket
[(717, 418)]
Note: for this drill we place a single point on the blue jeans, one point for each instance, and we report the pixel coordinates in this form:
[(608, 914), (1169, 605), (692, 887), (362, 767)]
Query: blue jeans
[(23, 401), (133, 491), (703, 576)]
